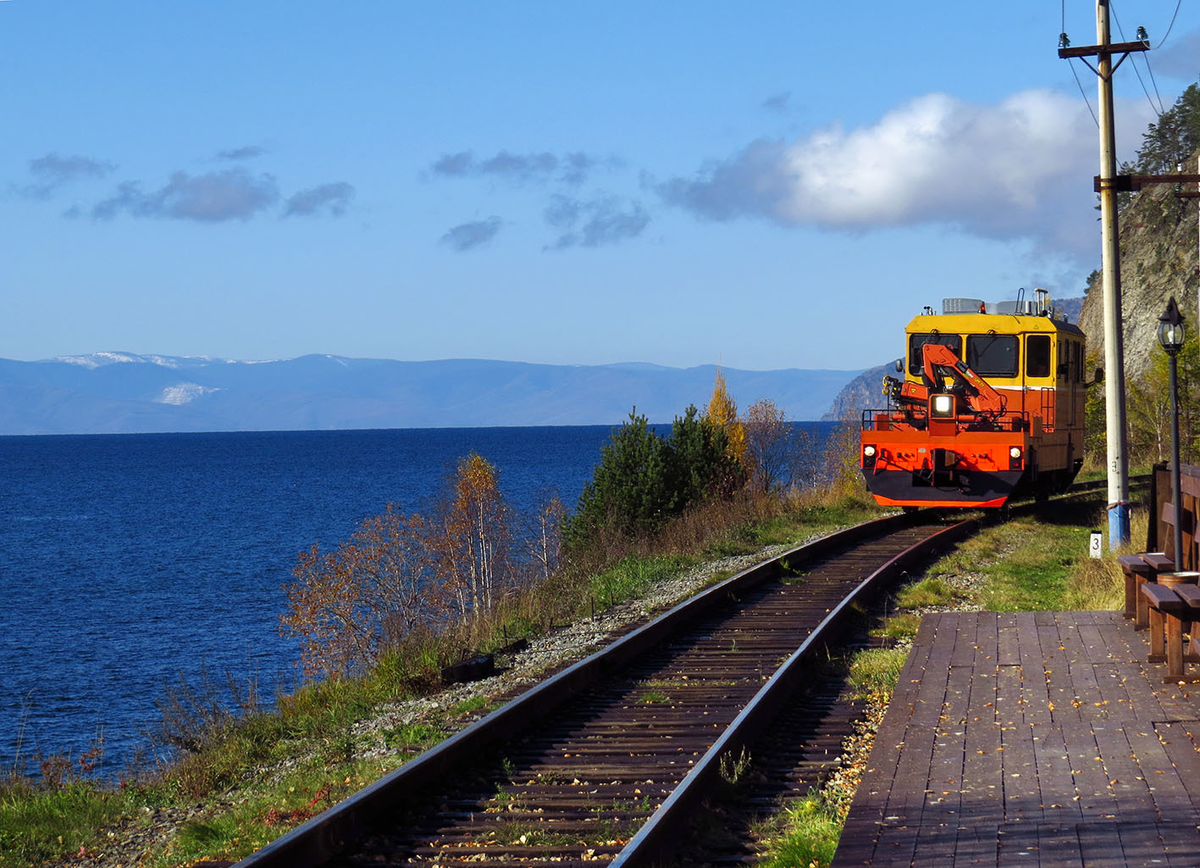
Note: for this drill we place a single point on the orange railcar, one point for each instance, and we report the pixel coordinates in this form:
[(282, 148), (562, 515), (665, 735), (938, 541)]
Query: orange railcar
[(991, 405)]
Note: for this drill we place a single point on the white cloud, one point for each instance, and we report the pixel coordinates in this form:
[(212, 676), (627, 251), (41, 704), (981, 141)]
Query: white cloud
[(1020, 168)]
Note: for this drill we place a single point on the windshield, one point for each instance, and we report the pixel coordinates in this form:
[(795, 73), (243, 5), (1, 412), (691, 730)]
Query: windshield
[(993, 355), (915, 342)]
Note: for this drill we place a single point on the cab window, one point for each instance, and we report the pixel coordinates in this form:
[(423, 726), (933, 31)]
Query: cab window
[(1037, 356), (993, 355), (915, 342)]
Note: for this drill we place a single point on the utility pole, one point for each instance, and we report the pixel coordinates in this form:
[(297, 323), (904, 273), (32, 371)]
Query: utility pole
[(1114, 349)]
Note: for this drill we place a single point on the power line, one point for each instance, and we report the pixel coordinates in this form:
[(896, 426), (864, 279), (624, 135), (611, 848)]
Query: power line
[(1153, 82), (1169, 27), (1079, 84), (1159, 109), (1082, 93)]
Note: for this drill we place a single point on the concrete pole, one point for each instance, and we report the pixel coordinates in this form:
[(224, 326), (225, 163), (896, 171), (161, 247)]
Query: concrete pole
[(1114, 349)]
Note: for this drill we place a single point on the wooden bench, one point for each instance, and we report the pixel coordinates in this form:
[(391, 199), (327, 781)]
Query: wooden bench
[(1158, 561), (1173, 604), (1167, 610), (1190, 594), (1139, 569), (1137, 573)]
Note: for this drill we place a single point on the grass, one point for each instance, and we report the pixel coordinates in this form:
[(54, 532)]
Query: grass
[(1027, 564), (267, 808), (808, 834), (1041, 568), (653, 697), (39, 825), (413, 737), (632, 577), (475, 703), (875, 671), (899, 627), (927, 592)]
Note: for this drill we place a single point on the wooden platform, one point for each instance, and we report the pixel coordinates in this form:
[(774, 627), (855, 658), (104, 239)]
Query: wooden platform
[(1041, 739)]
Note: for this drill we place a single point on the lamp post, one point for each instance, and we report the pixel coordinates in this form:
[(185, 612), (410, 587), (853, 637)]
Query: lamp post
[(1170, 335)]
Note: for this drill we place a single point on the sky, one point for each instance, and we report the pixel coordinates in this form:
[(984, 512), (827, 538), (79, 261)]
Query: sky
[(759, 185)]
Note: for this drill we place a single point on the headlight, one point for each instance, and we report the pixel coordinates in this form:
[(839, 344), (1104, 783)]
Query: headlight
[(942, 405), (1014, 452), (869, 451)]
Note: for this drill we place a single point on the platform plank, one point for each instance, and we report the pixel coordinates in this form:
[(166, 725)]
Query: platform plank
[(1031, 739)]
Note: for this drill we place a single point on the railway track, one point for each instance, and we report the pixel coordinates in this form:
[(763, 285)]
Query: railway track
[(607, 760)]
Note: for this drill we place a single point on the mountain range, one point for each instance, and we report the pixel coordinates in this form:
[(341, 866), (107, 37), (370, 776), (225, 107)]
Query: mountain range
[(117, 392)]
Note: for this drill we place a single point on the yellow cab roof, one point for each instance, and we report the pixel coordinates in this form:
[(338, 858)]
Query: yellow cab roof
[(981, 323)]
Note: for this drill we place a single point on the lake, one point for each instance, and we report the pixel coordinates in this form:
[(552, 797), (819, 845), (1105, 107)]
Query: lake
[(129, 560)]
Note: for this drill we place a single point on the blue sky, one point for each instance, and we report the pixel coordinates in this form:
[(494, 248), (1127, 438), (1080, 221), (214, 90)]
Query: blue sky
[(764, 185)]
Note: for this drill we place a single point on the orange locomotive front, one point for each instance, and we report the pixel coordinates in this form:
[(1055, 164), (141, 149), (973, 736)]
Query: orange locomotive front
[(991, 405)]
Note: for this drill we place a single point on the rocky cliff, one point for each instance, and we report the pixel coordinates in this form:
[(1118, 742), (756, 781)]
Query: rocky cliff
[(1158, 259), (861, 393)]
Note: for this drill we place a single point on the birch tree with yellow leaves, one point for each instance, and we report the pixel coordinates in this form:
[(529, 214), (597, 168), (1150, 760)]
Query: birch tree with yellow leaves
[(723, 412), (474, 537)]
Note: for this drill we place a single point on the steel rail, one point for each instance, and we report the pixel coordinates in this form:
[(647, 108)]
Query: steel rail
[(322, 837), (655, 838)]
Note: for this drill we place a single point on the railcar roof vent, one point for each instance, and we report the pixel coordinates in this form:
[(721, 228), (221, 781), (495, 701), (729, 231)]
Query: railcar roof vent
[(961, 305), (1024, 307)]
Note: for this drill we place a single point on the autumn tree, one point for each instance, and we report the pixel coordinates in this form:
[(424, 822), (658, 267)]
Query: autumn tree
[(542, 535), (350, 604), (723, 412), (1149, 407), (398, 574), (842, 473), (771, 446), (473, 537)]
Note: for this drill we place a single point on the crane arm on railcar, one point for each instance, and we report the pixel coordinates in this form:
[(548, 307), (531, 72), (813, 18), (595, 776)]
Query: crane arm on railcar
[(939, 361)]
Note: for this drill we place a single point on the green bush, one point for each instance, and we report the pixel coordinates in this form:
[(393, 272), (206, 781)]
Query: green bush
[(629, 490), (699, 462), (644, 479)]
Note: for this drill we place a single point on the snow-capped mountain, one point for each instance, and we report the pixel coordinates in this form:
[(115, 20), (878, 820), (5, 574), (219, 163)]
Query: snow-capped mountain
[(122, 392)]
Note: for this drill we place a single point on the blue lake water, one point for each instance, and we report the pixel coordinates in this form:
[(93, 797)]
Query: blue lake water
[(128, 560)]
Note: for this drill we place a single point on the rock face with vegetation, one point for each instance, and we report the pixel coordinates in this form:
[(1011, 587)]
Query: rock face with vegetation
[(863, 392), (1158, 260), (1158, 240)]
